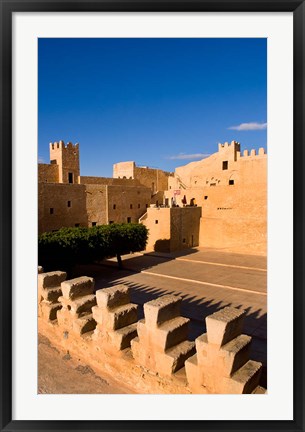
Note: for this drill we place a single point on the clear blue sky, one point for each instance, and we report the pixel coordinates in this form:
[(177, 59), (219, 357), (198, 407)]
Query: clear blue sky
[(159, 102)]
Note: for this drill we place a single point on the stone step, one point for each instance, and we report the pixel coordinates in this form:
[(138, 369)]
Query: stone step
[(162, 309), (49, 310), (259, 390), (121, 338), (78, 287), (165, 336), (79, 306), (83, 305), (51, 294), (246, 379), (192, 372), (51, 279), (224, 325), (117, 317), (84, 324), (236, 354), (174, 358), (113, 297)]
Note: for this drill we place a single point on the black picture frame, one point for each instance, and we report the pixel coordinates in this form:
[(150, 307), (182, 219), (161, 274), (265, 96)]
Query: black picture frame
[(8, 7)]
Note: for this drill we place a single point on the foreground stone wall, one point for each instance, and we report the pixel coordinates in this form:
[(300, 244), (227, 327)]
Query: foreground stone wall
[(151, 355)]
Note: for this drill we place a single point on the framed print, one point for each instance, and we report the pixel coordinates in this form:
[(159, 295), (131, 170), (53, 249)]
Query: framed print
[(165, 216)]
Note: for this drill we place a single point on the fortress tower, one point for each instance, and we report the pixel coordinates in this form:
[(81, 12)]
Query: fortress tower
[(67, 159)]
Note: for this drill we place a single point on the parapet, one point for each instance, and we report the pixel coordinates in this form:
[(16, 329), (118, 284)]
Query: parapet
[(261, 152), (151, 353), (61, 145), (235, 145), (221, 364)]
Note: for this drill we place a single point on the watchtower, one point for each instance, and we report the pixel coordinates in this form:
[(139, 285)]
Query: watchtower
[(67, 159)]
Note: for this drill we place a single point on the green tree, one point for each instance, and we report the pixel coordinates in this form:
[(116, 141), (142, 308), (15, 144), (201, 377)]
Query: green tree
[(70, 246)]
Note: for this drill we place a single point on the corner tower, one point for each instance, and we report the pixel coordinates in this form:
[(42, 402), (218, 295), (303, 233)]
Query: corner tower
[(67, 159)]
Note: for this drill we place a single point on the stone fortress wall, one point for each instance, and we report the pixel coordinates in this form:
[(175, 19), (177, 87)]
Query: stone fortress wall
[(230, 188), (151, 355), (153, 178)]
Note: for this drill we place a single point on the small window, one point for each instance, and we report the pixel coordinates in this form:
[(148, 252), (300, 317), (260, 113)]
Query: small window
[(53, 162), (93, 223), (51, 210), (225, 165), (69, 203), (70, 176), (170, 187), (129, 220), (156, 221), (114, 206), (183, 241), (111, 222), (76, 225), (231, 182), (205, 197), (130, 206), (139, 205)]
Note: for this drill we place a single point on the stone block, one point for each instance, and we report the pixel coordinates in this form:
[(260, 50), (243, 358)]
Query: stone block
[(116, 318), (173, 359), (192, 373), (51, 279), (202, 349), (49, 310), (78, 287), (245, 380), (83, 305), (122, 338), (51, 294), (84, 324), (224, 325), (165, 336), (162, 309), (64, 319), (113, 297), (235, 354)]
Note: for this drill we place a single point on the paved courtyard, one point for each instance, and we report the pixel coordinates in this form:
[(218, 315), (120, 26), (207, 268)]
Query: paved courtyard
[(206, 279)]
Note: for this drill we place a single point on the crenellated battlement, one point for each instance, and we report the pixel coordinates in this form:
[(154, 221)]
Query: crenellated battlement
[(103, 329), (234, 145), (61, 145), (252, 153)]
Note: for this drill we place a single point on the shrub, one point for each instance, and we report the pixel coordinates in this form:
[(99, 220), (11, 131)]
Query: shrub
[(70, 246)]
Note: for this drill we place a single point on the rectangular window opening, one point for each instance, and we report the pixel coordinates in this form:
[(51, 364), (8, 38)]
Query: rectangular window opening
[(231, 182), (70, 175), (69, 203), (93, 223), (114, 206), (76, 225), (129, 220), (130, 206), (156, 221), (225, 165), (51, 210), (205, 197)]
